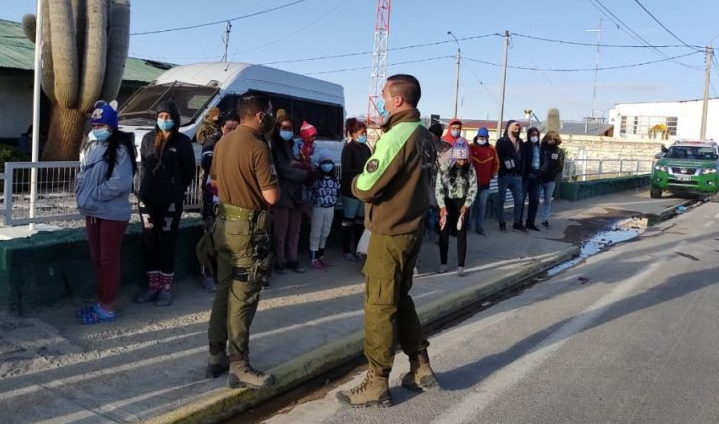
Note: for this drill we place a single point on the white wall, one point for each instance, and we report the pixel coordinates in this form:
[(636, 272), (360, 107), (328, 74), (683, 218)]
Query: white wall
[(688, 115), (15, 104)]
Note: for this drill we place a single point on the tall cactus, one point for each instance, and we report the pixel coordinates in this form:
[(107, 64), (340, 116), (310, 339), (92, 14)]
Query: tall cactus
[(84, 50), (553, 123)]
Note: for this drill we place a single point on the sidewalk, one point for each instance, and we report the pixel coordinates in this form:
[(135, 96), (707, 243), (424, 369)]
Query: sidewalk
[(149, 364)]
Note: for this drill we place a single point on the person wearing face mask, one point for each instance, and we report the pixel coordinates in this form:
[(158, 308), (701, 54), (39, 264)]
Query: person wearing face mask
[(484, 160), (551, 163), (287, 211), (456, 190), (454, 132), (323, 195), (532, 177), (247, 186), (103, 185), (168, 168), (511, 164), (354, 157), (393, 186)]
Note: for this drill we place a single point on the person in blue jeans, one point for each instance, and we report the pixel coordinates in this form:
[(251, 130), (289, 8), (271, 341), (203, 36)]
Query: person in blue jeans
[(532, 177), (511, 164), (552, 165)]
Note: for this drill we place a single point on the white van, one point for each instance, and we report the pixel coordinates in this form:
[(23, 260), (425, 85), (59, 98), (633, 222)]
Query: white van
[(198, 87)]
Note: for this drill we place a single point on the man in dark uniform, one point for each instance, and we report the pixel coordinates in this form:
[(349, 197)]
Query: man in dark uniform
[(247, 184), (395, 190)]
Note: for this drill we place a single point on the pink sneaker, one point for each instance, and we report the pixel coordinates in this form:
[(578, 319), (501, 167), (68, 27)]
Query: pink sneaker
[(317, 265)]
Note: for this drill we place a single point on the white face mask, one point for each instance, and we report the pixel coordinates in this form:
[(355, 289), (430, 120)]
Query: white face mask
[(481, 141), (534, 139)]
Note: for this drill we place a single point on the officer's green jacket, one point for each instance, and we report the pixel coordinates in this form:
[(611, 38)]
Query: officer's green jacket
[(392, 185)]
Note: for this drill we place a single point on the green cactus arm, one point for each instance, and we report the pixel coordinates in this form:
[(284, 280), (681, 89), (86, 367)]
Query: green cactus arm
[(29, 23), (118, 44), (79, 13), (93, 64), (66, 71), (48, 71)]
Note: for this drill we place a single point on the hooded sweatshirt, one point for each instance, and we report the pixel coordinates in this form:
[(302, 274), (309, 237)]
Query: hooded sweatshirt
[(97, 195), (511, 160), (166, 174), (448, 137), (484, 160)]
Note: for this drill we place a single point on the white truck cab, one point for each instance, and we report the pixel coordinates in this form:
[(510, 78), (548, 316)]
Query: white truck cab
[(198, 87)]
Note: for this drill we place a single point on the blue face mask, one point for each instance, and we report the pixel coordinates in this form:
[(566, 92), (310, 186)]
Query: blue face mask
[(455, 133), (165, 124), (362, 139), (102, 134), (327, 167), (286, 135), (380, 108)]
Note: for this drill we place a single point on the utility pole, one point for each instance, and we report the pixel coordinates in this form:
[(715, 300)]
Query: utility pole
[(596, 66), (707, 80), (456, 83), (504, 84), (226, 39), (37, 92)]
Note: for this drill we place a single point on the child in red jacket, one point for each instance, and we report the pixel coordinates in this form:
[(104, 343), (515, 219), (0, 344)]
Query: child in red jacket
[(484, 160)]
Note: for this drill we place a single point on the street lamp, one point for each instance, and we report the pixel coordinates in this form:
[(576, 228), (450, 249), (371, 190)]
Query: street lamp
[(456, 86)]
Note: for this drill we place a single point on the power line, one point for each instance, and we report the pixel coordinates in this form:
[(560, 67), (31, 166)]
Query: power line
[(621, 46), (661, 24), (479, 80), (261, 12), (389, 64), (606, 68)]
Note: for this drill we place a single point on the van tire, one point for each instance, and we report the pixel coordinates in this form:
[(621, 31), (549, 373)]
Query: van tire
[(655, 194)]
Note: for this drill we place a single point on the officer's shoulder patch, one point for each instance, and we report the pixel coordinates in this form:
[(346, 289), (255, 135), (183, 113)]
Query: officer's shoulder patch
[(372, 165)]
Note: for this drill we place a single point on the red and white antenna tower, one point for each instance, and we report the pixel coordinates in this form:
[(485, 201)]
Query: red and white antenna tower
[(379, 62)]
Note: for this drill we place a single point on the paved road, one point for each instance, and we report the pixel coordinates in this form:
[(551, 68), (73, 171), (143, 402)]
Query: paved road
[(630, 336)]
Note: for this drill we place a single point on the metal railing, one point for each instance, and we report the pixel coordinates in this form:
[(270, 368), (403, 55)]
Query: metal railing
[(592, 169), (55, 200)]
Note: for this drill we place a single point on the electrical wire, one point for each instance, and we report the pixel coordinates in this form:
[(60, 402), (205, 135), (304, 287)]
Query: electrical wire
[(661, 24), (479, 80), (237, 18), (389, 64), (620, 46), (606, 68)]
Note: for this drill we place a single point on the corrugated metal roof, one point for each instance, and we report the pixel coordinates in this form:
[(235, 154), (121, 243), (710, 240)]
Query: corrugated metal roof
[(17, 52)]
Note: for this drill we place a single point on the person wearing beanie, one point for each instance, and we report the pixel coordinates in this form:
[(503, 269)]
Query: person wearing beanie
[(531, 176), (103, 186), (305, 150), (287, 211), (210, 131), (484, 160), (355, 154), (323, 195), (168, 168), (511, 164), (456, 189)]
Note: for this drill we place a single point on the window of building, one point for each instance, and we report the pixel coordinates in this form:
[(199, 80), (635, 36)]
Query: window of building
[(642, 125)]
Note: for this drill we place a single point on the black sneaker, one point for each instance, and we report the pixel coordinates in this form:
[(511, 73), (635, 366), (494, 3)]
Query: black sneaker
[(546, 225), (518, 228), (503, 227), (532, 227), (480, 231)]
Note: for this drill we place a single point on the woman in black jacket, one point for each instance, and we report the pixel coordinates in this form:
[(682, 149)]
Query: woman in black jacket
[(354, 157), (168, 167), (552, 164)]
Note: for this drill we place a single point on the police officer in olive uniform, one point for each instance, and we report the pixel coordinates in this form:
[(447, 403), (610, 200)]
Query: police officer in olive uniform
[(394, 188), (247, 184)]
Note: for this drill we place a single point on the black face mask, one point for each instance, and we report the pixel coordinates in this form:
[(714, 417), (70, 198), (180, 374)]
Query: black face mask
[(515, 134), (267, 124)]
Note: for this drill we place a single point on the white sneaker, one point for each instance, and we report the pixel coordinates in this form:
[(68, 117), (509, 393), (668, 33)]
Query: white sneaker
[(442, 269), (460, 271)]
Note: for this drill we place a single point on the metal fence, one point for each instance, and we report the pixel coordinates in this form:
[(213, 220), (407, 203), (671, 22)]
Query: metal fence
[(592, 169), (55, 200)]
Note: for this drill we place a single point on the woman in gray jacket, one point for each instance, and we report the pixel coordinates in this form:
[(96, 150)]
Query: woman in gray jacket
[(107, 166)]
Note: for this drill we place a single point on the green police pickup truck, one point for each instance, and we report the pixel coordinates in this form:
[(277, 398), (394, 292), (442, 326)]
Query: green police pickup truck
[(690, 167)]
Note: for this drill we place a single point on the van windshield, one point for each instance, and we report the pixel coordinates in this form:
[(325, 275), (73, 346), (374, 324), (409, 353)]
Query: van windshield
[(141, 107), (691, 152)]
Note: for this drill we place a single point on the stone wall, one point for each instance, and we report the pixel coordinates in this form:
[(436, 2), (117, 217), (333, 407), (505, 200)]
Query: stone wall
[(635, 155)]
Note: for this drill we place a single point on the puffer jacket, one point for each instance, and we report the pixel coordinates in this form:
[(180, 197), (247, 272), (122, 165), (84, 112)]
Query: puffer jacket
[(167, 174), (97, 195)]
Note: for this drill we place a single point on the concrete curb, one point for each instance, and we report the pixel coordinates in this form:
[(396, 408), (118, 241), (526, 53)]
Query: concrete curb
[(672, 210), (225, 403)]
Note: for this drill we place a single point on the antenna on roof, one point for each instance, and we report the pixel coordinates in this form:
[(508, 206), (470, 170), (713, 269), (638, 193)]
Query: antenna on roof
[(226, 39)]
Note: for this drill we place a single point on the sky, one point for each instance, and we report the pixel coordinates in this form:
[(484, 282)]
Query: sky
[(314, 29)]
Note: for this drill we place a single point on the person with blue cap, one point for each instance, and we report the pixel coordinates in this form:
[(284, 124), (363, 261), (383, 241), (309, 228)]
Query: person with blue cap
[(486, 164), (103, 186)]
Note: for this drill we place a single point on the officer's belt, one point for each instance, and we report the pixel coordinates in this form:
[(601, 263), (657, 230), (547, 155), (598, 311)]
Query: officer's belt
[(235, 212)]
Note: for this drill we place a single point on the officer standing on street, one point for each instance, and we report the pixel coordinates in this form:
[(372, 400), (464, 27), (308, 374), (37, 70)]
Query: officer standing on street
[(395, 190), (247, 184)]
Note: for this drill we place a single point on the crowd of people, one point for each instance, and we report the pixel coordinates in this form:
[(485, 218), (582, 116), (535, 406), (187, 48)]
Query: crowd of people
[(263, 174)]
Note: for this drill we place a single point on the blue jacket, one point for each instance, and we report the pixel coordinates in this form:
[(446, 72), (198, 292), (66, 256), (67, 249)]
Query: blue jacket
[(97, 195)]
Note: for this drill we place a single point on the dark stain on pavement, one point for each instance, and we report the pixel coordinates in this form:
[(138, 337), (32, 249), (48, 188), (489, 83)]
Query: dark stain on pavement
[(694, 258)]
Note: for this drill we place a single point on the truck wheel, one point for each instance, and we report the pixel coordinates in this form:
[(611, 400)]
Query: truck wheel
[(655, 194)]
